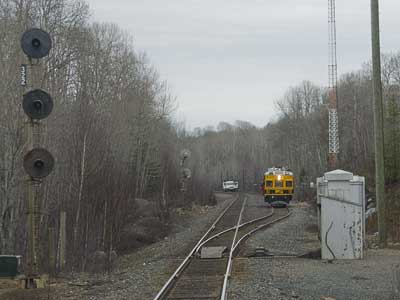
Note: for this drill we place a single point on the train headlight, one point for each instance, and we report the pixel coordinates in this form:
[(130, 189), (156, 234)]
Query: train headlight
[(279, 177)]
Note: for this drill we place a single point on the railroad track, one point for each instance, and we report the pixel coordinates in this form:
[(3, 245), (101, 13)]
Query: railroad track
[(208, 278)]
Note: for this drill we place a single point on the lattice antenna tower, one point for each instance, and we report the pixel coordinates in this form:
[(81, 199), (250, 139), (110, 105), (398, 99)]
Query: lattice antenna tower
[(333, 101)]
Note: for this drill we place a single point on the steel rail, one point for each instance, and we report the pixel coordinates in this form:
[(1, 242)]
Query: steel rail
[(230, 259), (187, 259), (233, 228), (234, 247), (261, 227)]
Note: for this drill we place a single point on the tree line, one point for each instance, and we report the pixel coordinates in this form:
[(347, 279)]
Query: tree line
[(299, 137), (115, 139), (111, 131)]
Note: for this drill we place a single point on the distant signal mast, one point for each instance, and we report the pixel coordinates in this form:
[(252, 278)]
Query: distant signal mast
[(333, 101)]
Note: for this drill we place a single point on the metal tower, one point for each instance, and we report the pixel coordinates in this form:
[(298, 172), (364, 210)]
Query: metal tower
[(333, 103)]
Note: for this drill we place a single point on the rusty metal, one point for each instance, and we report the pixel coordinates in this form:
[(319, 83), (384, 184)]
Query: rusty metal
[(184, 264), (244, 237), (230, 259), (198, 278), (234, 228)]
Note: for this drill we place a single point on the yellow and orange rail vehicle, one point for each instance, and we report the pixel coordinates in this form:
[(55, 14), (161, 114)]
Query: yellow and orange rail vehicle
[(278, 186)]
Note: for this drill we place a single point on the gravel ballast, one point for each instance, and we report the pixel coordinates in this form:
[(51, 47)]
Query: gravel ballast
[(142, 274), (283, 275), (299, 278)]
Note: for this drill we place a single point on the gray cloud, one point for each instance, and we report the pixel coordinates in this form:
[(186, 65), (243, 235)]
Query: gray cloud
[(231, 59)]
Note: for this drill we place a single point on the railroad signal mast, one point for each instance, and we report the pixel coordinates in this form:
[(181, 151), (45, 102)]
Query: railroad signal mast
[(333, 101), (38, 162)]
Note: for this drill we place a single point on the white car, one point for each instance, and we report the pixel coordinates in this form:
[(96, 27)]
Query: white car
[(230, 186)]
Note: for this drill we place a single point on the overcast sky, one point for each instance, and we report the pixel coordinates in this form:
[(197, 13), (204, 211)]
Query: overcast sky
[(228, 60)]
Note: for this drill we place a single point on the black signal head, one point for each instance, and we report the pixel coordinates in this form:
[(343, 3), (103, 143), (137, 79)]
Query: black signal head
[(38, 163), (37, 104), (36, 43)]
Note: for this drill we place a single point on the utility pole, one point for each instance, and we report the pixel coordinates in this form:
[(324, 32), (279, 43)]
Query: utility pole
[(378, 124)]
